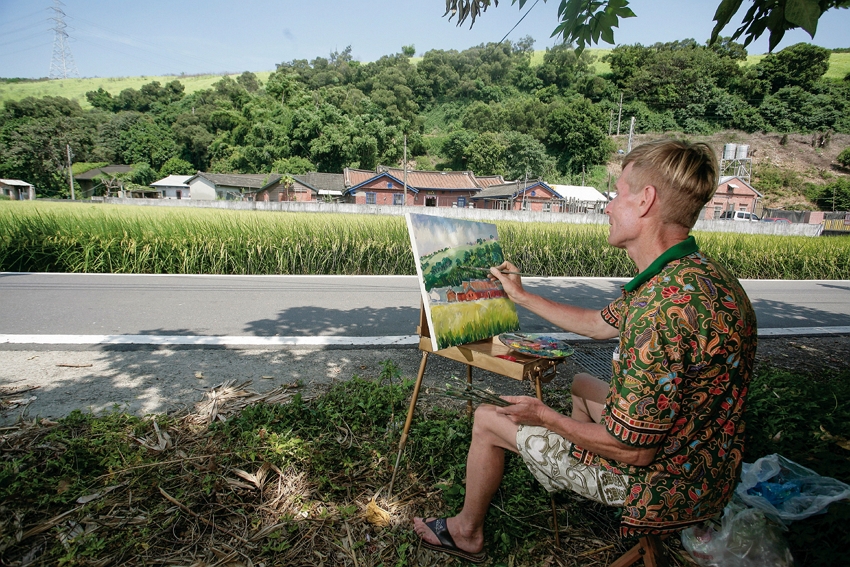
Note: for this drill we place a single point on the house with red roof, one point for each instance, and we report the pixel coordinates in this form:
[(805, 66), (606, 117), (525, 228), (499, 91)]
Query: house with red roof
[(386, 186), (518, 196)]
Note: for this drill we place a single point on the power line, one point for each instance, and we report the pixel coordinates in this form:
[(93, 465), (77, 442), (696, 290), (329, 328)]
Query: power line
[(62, 65), (520, 21)]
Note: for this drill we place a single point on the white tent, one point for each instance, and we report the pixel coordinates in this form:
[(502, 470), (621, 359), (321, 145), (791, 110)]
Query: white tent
[(579, 193)]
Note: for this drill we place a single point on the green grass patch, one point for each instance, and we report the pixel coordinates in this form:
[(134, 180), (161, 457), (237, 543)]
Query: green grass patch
[(839, 64), (76, 89), (90, 238)]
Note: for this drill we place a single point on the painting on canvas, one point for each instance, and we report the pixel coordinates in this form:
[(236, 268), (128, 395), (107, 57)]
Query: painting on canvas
[(462, 305)]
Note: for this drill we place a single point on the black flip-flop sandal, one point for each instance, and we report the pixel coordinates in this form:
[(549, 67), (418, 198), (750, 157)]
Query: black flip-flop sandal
[(440, 529)]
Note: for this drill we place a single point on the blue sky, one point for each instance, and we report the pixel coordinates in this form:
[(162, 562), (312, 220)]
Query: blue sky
[(158, 37)]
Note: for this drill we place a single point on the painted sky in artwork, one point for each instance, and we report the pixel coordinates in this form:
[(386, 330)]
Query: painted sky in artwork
[(447, 233)]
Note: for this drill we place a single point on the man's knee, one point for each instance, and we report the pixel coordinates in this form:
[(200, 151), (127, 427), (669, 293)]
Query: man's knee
[(589, 387), (493, 428)]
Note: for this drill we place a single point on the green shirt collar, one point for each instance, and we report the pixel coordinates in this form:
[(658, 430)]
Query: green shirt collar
[(685, 248)]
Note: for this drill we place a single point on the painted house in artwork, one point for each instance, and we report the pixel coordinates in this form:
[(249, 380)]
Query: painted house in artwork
[(518, 196), (733, 194), (386, 186)]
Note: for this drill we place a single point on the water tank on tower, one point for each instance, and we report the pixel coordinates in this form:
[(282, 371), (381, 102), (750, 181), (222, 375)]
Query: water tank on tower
[(729, 151), (742, 151)]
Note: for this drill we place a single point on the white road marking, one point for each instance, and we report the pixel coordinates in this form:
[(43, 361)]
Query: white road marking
[(238, 340)]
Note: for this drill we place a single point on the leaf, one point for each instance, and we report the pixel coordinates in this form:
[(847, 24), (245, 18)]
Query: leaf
[(803, 13), (724, 13)]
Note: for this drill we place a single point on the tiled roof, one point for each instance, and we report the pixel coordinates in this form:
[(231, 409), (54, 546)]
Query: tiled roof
[(322, 181), (508, 190), (435, 179), (354, 177), (106, 170), (490, 180), (241, 181)]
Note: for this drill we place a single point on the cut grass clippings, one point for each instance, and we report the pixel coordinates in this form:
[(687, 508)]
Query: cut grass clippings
[(276, 479)]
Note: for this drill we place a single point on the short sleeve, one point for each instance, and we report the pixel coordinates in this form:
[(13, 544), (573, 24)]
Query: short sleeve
[(613, 312)]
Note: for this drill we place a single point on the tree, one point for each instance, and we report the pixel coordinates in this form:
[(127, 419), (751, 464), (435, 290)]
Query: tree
[(800, 65), (844, 157), (176, 166), (576, 132), (585, 22)]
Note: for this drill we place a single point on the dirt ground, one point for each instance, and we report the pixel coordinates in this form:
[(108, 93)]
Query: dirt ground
[(52, 383)]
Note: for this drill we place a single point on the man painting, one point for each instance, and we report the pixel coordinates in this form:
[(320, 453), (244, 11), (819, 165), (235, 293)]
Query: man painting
[(663, 440)]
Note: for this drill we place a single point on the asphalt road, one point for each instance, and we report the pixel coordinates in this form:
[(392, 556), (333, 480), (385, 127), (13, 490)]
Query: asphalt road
[(321, 306)]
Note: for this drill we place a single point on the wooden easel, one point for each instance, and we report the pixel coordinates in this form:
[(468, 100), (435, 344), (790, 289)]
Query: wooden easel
[(482, 354)]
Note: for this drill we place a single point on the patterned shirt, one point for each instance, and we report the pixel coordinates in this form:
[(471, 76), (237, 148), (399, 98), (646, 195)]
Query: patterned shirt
[(681, 372)]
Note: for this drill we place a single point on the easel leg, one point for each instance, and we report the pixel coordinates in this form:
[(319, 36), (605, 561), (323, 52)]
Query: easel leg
[(469, 383), (409, 419)]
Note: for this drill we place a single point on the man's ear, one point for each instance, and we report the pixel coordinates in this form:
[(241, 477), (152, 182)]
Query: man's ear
[(649, 198)]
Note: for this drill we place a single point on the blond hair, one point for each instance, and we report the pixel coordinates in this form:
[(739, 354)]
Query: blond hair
[(685, 176)]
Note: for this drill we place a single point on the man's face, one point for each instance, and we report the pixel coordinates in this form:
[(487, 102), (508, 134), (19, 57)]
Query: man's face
[(623, 212)]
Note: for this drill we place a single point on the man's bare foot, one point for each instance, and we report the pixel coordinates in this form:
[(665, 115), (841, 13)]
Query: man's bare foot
[(465, 540)]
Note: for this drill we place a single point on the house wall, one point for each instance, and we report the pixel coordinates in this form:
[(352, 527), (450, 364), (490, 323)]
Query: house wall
[(739, 198), (17, 193), (202, 190), (171, 192)]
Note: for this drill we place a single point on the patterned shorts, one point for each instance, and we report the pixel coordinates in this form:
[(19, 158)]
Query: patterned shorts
[(548, 456)]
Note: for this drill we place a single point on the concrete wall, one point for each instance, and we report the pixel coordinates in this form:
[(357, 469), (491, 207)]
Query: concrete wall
[(482, 215)]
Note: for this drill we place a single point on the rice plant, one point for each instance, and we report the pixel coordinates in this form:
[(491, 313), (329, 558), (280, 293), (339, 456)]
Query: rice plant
[(87, 238)]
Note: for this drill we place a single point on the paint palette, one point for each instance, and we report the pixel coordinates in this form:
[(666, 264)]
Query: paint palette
[(541, 346)]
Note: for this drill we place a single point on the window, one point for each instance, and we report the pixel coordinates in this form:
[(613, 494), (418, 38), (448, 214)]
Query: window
[(547, 207), (525, 205), (461, 202), (398, 199), (371, 198)]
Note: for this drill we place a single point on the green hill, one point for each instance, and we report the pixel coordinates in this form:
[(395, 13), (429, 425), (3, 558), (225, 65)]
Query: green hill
[(76, 89)]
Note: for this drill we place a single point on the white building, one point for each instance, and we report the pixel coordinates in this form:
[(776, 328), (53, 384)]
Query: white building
[(173, 187), (17, 190)]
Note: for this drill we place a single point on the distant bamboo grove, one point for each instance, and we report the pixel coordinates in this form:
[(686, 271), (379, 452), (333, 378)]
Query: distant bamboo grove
[(55, 237)]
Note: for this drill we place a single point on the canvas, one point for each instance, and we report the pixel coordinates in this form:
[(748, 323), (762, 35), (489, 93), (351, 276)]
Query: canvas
[(462, 305)]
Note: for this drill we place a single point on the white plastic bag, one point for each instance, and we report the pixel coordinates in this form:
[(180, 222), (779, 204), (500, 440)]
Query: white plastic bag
[(745, 539), (785, 491)]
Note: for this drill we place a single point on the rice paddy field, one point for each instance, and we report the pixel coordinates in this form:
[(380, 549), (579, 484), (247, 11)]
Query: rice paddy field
[(95, 238)]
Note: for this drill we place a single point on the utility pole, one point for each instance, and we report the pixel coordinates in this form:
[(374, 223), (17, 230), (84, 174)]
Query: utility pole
[(631, 134), (619, 114), (610, 120), (404, 203), (582, 175), (70, 171)]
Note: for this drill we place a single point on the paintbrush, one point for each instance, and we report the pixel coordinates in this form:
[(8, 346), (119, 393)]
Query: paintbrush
[(502, 271), (460, 390)]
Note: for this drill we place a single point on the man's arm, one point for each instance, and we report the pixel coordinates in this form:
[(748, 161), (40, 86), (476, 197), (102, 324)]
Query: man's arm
[(579, 320), (593, 437)]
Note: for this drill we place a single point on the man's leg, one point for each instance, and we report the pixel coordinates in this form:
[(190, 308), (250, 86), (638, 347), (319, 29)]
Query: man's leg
[(589, 394), (492, 434)]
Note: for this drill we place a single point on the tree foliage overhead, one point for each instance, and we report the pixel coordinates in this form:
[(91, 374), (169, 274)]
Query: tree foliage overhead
[(585, 22)]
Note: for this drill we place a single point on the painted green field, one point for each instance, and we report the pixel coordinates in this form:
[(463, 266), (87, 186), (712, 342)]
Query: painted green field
[(76, 89), (461, 323)]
